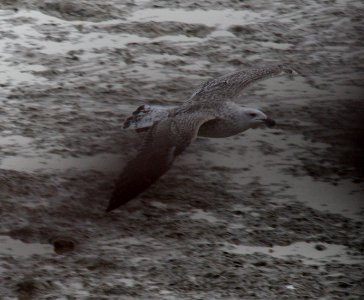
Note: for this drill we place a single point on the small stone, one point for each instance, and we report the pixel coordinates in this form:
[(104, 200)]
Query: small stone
[(344, 285), (62, 246), (320, 247), (260, 264)]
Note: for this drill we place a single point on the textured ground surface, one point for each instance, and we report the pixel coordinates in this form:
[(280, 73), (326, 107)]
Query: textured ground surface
[(269, 214)]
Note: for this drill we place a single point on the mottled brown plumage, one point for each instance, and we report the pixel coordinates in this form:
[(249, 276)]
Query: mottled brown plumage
[(163, 143), (208, 112)]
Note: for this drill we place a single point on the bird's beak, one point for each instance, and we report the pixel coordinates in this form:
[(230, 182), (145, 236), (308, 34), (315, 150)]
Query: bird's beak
[(269, 122)]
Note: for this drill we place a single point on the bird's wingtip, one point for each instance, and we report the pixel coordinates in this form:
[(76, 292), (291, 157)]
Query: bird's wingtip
[(108, 209), (289, 69), (113, 204)]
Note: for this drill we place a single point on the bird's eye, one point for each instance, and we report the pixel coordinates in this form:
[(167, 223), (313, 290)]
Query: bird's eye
[(253, 115)]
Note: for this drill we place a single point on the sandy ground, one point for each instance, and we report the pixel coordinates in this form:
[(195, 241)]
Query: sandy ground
[(268, 214)]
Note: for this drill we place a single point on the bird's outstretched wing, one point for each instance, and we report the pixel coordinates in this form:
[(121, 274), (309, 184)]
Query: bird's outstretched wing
[(230, 86), (164, 141)]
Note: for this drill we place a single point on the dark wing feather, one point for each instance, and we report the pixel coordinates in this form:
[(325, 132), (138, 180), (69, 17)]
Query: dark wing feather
[(164, 141), (230, 86)]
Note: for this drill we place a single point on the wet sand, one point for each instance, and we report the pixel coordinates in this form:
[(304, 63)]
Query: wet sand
[(271, 213)]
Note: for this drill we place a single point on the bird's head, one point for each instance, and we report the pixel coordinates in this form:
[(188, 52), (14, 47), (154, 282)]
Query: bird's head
[(257, 118)]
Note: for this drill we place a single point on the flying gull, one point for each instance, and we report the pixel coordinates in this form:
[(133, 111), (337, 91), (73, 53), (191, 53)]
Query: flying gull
[(209, 112)]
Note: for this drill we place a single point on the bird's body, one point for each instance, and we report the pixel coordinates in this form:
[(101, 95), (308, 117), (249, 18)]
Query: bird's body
[(209, 112), (230, 120)]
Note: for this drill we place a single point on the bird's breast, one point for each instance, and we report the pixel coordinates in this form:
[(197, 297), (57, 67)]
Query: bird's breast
[(220, 128)]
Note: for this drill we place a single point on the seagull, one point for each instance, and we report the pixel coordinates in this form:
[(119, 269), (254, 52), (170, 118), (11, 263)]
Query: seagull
[(209, 112)]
